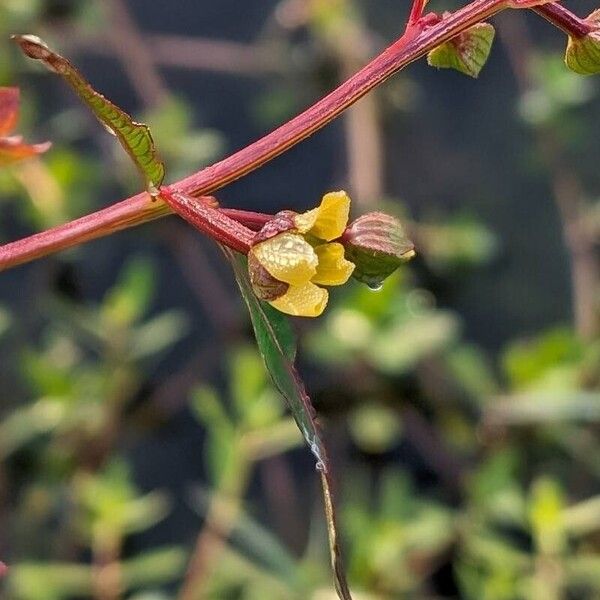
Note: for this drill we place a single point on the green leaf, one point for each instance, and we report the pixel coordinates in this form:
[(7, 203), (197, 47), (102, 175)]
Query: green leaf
[(277, 345), (534, 408), (155, 567), (50, 581), (253, 540), (135, 138), (130, 298), (583, 54), (467, 52), (546, 506)]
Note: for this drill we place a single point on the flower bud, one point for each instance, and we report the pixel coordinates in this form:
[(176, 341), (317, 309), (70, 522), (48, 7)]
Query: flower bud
[(265, 286), (583, 53), (377, 244), (283, 221)]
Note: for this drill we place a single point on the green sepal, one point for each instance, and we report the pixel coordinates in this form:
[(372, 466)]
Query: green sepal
[(583, 54), (467, 52), (377, 244)]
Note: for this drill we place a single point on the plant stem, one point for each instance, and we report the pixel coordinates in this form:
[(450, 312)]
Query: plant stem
[(413, 44), (135, 55), (211, 221), (127, 213), (416, 11), (221, 517), (252, 220), (407, 49), (564, 19)]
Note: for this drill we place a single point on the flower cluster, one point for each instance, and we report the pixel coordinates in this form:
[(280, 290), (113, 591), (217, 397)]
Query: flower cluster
[(294, 255)]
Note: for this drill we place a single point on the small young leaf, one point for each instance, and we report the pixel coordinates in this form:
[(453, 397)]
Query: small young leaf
[(135, 138), (12, 147), (583, 54), (467, 52), (277, 346)]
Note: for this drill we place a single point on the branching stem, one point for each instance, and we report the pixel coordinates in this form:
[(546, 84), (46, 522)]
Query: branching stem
[(416, 11), (414, 43)]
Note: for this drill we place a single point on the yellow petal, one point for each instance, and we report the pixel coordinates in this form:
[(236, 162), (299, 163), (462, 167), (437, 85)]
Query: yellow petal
[(329, 220), (305, 221), (306, 300), (288, 257), (333, 268)]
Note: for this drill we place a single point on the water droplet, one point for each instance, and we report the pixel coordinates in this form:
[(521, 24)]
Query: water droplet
[(109, 129), (375, 287)]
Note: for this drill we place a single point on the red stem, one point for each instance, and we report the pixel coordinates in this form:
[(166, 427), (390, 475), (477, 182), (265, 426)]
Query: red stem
[(137, 209), (211, 221), (252, 220), (564, 19), (140, 208), (406, 50), (416, 11)]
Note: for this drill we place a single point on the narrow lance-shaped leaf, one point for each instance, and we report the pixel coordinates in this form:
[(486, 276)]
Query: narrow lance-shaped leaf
[(583, 54), (12, 147), (467, 52), (134, 137), (277, 345)]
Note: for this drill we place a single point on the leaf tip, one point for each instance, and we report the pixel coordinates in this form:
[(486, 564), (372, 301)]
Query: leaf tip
[(31, 45), (34, 47)]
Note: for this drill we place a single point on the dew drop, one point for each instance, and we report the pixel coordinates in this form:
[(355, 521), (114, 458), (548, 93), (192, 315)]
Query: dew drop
[(109, 129), (375, 287)]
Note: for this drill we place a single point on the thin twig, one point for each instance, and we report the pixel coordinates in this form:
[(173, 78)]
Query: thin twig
[(221, 517), (416, 11), (186, 52), (136, 55)]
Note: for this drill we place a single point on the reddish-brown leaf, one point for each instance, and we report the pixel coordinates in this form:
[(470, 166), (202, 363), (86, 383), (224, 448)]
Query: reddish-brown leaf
[(12, 147), (9, 109)]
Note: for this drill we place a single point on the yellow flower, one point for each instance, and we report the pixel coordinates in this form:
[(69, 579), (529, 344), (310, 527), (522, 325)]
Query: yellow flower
[(305, 257)]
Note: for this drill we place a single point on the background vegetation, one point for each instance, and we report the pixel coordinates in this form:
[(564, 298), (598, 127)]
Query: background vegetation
[(461, 402)]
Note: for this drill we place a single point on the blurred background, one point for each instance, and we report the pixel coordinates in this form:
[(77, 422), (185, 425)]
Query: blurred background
[(461, 403)]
